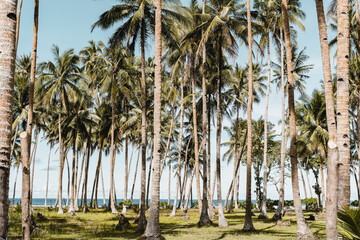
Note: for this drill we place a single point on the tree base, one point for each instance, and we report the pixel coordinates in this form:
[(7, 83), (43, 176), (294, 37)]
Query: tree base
[(263, 216), (277, 216), (60, 211), (141, 224), (304, 236), (223, 222), (204, 222), (151, 238)]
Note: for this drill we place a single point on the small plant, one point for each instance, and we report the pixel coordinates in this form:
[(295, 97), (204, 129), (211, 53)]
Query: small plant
[(355, 203), (195, 204), (123, 203)]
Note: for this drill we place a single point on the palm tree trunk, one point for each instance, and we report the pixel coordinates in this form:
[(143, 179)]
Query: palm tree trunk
[(76, 208), (47, 174), (112, 153), (333, 171), (204, 216), (17, 172), (32, 159), (303, 180), (136, 169), (195, 132), (210, 193), (342, 102), (182, 192), (68, 187), (280, 209), (169, 186), (323, 203), (86, 173), (72, 199), (61, 159), (169, 139), (25, 191), (189, 191), (173, 213), (248, 225), (308, 180), (7, 64), (18, 17), (103, 187), (148, 181), (81, 172), (303, 230), (263, 214), (222, 220), (142, 219), (153, 227), (126, 176)]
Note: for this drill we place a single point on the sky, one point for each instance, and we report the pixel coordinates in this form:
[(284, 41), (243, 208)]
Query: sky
[(67, 23)]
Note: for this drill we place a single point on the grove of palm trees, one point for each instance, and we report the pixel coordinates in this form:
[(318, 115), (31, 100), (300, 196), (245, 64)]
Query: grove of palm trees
[(211, 119)]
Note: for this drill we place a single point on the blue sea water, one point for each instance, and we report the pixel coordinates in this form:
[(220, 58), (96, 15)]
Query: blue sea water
[(52, 201)]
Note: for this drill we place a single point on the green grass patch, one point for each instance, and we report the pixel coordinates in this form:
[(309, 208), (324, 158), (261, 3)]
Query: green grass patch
[(100, 224)]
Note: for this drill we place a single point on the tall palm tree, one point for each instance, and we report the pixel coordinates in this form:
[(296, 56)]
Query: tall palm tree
[(248, 225), (153, 226), (25, 196), (342, 102), (60, 77), (7, 64), (332, 156), (267, 18), (303, 230)]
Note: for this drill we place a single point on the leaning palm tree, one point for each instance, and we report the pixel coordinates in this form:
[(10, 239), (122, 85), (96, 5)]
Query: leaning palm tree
[(303, 230), (7, 64), (60, 80)]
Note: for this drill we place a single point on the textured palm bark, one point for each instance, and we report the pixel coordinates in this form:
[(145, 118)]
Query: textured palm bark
[(25, 190), (178, 179), (303, 231), (142, 219), (342, 102), (280, 209), (333, 171), (153, 226), (189, 191), (222, 220), (195, 133), (204, 216), (248, 225), (358, 132), (263, 213), (7, 66), (112, 156), (323, 204), (18, 17), (149, 178), (126, 177)]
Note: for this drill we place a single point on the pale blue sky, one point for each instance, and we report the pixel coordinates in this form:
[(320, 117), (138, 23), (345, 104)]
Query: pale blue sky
[(67, 23)]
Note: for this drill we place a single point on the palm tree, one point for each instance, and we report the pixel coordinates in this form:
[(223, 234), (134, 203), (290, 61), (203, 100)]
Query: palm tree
[(248, 225), (25, 196), (60, 77), (303, 230), (7, 64), (342, 102), (153, 226), (267, 18), (332, 156)]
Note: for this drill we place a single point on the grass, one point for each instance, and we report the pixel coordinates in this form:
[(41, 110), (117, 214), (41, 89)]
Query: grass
[(99, 224)]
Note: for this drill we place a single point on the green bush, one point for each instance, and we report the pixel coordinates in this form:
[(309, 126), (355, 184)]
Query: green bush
[(355, 203), (311, 203), (349, 222)]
